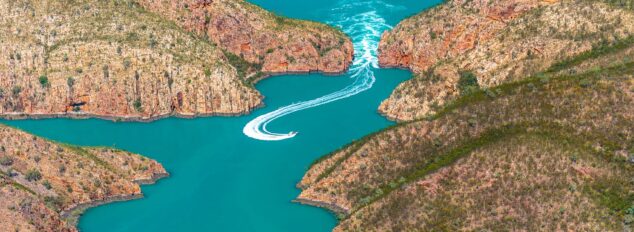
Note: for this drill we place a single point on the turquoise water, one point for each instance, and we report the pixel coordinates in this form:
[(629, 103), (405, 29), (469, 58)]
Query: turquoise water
[(222, 180)]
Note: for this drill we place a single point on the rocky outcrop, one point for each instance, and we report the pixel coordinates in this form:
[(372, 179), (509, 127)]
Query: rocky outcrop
[(44, 185), (497, 41), (276, 43), (506, 160), (142, 60), (520, 116)]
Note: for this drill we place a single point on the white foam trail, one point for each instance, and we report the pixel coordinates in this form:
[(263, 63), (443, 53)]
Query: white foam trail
[(365, 30)]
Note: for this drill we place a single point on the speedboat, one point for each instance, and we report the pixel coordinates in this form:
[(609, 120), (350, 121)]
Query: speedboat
[(292, 133)]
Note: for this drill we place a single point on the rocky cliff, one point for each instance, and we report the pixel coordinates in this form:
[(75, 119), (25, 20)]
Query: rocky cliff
[(496, 41), (44, 185), (527, 155), (274, 43), (141, 60), (538, 141)]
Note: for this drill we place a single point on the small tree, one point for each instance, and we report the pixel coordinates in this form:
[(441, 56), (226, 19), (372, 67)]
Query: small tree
[(6, 161), (33, 175), (16, 90), (47, 185), (44, 81), (468, 83), (137, 105), (70, 82)]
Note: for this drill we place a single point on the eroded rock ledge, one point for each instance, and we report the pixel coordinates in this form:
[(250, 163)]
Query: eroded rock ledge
[(143, 60), (276, 43), (45, 185), (496, 41)]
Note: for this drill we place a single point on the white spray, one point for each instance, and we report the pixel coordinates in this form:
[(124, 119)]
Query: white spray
[(365, 30)]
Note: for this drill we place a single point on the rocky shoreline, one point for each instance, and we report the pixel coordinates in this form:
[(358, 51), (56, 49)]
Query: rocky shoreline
[(338, 210), (72, 214), (79, 115), (60, 181), (160, 61)]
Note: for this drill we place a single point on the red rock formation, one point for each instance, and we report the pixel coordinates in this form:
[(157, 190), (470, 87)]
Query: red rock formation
[(42, 189), (278, 44)]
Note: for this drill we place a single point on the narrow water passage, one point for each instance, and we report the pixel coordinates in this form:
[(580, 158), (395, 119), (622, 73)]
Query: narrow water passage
[(365, 30), (222, 180)]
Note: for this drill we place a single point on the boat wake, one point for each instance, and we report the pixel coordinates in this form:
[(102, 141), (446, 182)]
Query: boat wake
[(365, 30)]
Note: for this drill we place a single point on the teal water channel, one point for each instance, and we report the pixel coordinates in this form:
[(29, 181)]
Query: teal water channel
[(223, 180)]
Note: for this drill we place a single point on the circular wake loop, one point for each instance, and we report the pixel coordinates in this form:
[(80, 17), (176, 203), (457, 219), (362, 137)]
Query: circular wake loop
[(365, 30)]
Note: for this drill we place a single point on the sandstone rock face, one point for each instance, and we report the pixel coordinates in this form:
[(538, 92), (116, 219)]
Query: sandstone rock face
[(119, 60), (276, 43), (43, 182), (110, 59), (498, 41), (496, 162)]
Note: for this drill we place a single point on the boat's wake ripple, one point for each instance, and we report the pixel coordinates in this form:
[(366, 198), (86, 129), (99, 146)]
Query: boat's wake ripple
[(365, 30)]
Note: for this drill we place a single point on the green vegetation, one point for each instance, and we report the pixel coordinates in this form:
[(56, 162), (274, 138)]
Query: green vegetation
[(47, 185), (33, 175), (16, 90), (468, 83), (70, 82), (598, 51), (242, 66), (6, 161), (85, 153), (44, 81), (54, 203), (138, 105), (23, 188), (491, 110)]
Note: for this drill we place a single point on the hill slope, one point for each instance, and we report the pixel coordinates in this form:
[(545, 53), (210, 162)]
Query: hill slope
[(142, 60), (547, 148), (495, 41), (45, 185)]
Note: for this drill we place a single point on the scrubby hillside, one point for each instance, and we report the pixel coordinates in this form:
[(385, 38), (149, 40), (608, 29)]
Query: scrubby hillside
[(548, 148), (44, 185), (274, 43), (142, 60), (491, 42)]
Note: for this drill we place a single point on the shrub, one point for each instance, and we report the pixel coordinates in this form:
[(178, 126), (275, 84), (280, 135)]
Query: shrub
[(16, 90), (33, 175), (54, 203), (70, 82), (44, 81), (585, 83), (47, 185), (6, 161), (137, 105), (468, 83), (127, 63), (106, 71)]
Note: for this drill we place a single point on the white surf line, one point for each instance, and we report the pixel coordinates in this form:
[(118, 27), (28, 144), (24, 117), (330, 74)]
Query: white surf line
[(365, 30)]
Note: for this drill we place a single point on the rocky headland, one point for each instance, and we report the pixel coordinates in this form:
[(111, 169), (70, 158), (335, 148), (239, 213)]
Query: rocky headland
[(519, 117), (45, 185), (143, 60), (495, 41)]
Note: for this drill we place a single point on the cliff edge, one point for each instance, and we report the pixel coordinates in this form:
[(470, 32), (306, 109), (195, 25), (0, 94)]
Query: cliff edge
[(45, 185), (143, 60)]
